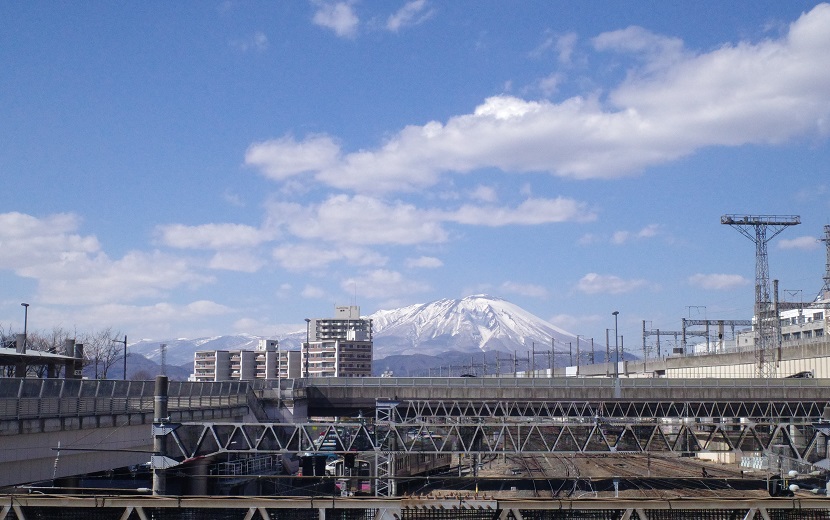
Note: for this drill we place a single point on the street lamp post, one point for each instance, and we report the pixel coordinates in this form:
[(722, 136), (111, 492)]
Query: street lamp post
[(307, 338), (25, 324), (125, 353)]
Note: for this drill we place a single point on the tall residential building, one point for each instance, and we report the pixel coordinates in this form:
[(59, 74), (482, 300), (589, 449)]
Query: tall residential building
[(338, 347)]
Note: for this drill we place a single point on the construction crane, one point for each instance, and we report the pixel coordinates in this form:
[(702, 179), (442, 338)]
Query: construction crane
[(767, 330)]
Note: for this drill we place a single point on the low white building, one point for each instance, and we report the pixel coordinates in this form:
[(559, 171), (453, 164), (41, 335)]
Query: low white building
[(267, 361)]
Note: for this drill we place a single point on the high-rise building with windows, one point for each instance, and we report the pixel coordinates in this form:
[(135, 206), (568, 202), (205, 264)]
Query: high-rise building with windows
[(338, 347)]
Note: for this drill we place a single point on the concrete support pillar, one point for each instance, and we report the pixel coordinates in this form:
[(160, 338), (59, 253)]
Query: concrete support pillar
[(20, 348), (198, 481), (160, 438)]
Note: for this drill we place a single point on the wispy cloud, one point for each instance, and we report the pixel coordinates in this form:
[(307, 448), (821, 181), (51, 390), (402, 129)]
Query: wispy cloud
[(803, 243), (524, 289), (424, 262), (255, 42), (383, 283), (717, 282), (412, 13), (621, 237), (593, 283), (211, 236)]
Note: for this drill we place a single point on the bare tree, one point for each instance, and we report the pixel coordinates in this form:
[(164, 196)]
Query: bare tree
[(7, 336), (101, 351), (51, 341)]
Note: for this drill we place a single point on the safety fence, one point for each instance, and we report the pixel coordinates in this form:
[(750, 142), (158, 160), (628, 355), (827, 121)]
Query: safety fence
[(29, 398)]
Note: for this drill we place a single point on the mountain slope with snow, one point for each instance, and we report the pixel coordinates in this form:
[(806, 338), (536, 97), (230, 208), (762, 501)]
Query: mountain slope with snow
[(476, 323)]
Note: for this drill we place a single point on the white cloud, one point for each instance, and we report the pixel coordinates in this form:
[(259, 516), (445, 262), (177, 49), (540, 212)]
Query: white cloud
[(314, 293), (358, 220), (233, 199), (657, 50), (803, 243), (281, 158), (160, 319), (27, 241), (531, 290), (383, 283), (484, 194), (71, 269), (241, 261), (649, 231), (362, 220), (412, 13), (717, 281), (593, 283), (337, 16), (570, 322), (529, 212), (308, 257), (96, 280), (548, 42), (565, 46), (424, 262), (210, 236), (674, 104), (549, 84), (621, 237)]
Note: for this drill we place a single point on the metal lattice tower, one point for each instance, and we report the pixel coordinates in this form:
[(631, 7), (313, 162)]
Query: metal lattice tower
[(825, 290), (767, 327)]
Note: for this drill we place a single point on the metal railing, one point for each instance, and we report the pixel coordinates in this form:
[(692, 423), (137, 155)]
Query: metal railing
[(560, 382), (28, 398)]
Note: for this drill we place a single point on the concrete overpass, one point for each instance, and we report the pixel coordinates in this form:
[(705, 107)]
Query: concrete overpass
[(566, 397), (52, 428)]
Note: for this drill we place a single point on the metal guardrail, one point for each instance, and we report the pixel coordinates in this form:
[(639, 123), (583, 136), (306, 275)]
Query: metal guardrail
[(27, 398), (562, 382)]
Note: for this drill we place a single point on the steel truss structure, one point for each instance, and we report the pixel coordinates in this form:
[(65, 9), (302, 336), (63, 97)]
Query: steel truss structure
[(800, 441), (747, 409), (132, 507)]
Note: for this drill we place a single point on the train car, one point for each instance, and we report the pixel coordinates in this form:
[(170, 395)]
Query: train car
[(413, 464)]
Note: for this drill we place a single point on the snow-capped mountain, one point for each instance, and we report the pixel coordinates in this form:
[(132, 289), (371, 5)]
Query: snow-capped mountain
[(180, 351), (479, 323)]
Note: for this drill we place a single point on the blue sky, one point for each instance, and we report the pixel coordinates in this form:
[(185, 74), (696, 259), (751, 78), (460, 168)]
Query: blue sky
[(194, 168)]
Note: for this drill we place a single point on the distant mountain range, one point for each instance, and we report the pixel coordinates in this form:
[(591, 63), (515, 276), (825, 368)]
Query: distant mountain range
[(449, 330)]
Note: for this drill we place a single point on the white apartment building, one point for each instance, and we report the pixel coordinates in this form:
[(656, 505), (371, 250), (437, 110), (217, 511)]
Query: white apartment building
[(267, 361), (339, 346), (805, 324)]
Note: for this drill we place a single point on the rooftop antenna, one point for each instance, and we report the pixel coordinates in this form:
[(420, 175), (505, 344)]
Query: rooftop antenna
[(767, 327)]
